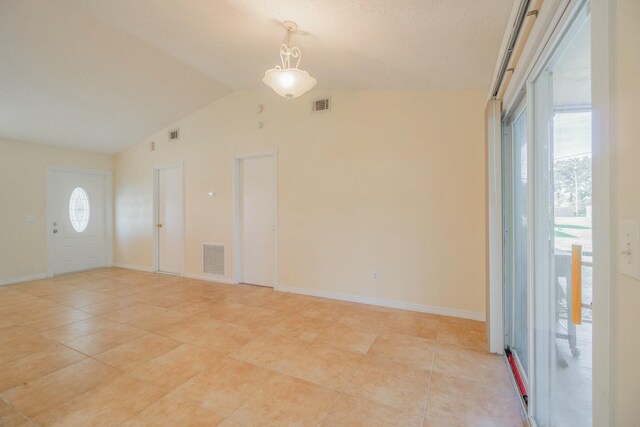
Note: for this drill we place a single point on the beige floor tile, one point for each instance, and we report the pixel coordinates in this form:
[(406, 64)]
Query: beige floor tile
[(201, 353), (301, 327), (139, 350), (14, 348), (196, 305), (80, 298), (258, 318), (224, 387), (270, 351), (10, 299), (324, 366), (392, 384), (134, 310), (351, 411), (79, 329), (5, 322), (471, 365), (229, 423), (267, 298), (227, 338), (372, 322), (33, 311), (146, 317), (405, 349), (469, 403), (286, 401), (10, 416), (106, 405), (105, 339), (57, 320), (58, 387), (346, 338), (108, 306), (13, 331), (29, 368), (192, 329), (156, 296), (176, 366), (45, 288), (325, 309), (465, 333), (417, 324), (244, 315), (172, 411), (432, 422)]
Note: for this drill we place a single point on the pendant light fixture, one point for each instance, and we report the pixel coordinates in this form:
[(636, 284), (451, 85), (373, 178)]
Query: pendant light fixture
[(287, 81)]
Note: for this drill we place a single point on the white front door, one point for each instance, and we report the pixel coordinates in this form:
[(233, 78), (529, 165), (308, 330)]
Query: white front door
[(77, 211), (257, 209), (170, 220)]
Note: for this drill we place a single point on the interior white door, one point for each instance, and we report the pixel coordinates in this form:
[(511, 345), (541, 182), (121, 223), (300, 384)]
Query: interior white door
[(258, 220), (170, 221), (77, 214)]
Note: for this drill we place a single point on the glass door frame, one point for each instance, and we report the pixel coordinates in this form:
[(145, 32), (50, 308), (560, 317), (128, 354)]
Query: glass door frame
[(508, 221)]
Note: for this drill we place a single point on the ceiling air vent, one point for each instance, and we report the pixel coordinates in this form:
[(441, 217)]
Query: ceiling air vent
[(173, 135), (213, 259), (320, 105)]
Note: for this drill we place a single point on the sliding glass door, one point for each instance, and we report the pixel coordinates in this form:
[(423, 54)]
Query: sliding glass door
[(562, 285), (548, 254)]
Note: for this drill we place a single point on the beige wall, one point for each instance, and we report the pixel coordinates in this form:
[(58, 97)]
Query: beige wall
[(386, 181), (625, 306), (23, 168)]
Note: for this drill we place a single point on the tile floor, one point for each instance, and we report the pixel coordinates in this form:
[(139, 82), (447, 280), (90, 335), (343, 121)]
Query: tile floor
[(121, 347)]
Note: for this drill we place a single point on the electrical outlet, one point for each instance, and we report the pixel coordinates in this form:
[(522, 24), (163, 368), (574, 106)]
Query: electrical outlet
[(375, 276), (31, 218)]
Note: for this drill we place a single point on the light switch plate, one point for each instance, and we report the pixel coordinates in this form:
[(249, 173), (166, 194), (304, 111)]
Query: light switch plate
[(629, 243)]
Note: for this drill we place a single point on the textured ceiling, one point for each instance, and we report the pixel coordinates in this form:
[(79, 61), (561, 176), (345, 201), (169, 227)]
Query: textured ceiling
[(101, 74)]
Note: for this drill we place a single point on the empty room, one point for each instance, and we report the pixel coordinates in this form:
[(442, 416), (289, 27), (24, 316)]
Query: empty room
[(319, 213)]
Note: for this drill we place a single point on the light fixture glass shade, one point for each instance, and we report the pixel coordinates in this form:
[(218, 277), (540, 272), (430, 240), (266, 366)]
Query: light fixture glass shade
[(289, 82)]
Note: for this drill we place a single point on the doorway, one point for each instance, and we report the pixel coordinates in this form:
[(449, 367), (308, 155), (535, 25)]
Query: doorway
[(256, 220), (169, 224), (78, 220), (548, 245)]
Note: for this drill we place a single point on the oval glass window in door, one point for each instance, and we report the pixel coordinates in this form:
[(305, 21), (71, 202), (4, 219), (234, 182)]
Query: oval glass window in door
[(79, 209)]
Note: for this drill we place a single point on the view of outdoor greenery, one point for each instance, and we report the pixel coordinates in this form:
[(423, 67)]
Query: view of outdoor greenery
[(572, 187)]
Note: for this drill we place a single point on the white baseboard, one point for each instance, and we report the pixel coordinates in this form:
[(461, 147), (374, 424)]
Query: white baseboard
[(15, 280), (442, 311), (132, 267), (208, 278)]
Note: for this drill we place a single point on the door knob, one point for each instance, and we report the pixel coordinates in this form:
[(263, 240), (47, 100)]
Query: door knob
[(159, 225), (55, 231)]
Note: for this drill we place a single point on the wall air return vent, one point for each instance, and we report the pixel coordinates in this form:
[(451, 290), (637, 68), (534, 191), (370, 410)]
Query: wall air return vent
[(321, 105), (174, 135), (213, 259)]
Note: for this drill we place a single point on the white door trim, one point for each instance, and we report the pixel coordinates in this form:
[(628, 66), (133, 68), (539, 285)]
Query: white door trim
[(108, 211), (602, 77), (235, 200), (155, 263), (495, 292)]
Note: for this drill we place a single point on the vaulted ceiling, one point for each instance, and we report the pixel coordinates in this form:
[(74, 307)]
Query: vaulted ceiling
[(102, 74)]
